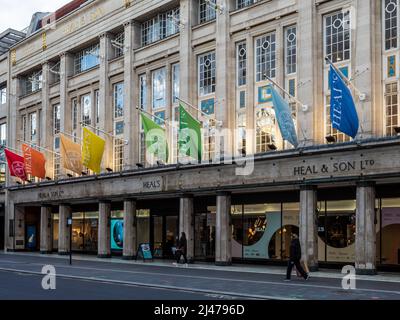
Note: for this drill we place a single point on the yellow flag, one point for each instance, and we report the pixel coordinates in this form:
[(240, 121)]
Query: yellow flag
[(92, 150), (71, 155)]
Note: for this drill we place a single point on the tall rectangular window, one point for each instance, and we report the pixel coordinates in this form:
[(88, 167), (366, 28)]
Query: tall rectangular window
[(3, 134), (337, 36), (390, 17), (207, 73), (244, 3), (33, 126), (266, 57), (87, 59), (3, 95), (119, 43), (159, 88), (291, 49), (33, 82), (241, 58), (97, 102), (74, 114), (86, 108), (143, 92), (56, 119), (206, 10), (175, 82), (119, 100), (392, 108), (24, 125)]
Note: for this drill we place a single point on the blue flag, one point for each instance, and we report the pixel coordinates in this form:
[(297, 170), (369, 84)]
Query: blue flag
[(343, 110), (284, 117)]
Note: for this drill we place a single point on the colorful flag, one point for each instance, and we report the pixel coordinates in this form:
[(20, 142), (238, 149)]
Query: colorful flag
[(92, 150), (343, 109), (71, 155), (16, 165), (189, 135), (284, 117), (35, 162), (156, 138)]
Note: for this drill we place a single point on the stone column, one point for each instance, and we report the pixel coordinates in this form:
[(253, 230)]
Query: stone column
[(186, 223), (20, 243), (46, 121), (132, 128), (64, 231), (130, 231), (106, 121), (308, 226), (305, 72), (225, 55), (223, 248), (104, 245), (46, 245), (365, 229)]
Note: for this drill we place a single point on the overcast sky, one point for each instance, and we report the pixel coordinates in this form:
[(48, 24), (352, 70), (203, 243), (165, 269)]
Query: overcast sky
[(17, 14)]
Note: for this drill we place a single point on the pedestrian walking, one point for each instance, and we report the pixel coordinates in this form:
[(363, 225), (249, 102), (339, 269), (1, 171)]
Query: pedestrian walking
[(182, 248), (294, 260)]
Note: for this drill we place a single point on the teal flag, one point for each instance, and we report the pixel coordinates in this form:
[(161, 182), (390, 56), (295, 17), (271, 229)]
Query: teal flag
[(284, 117), (189, 135)]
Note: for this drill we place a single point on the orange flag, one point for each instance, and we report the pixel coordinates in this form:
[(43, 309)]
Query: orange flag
[(71, 154), (35, 162)]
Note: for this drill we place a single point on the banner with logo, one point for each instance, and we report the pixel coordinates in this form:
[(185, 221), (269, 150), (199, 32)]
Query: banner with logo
[(189, 135), (35, 162), (71, 155), (92, 150), (156, 139), (16, 165)]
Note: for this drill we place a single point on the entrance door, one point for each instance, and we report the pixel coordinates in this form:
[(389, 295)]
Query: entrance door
[(164, 236)]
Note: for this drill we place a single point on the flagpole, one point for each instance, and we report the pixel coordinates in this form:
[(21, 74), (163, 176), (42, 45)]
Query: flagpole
[(70, 135), (295, 99), (12, 149), (198, 110), (83, 125), (344, 78), (39, 147), (152, 115)]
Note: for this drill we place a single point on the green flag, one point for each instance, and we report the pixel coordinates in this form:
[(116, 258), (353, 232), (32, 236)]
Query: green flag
[(156, 139), (189, 135)]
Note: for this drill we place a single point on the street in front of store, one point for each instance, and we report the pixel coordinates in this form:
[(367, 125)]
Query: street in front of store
[(118, 279)]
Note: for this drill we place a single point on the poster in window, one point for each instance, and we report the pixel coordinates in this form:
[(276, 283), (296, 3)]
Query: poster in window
[(264, 94), (207, 106), (117, 234), (391, 66), (31, 237)]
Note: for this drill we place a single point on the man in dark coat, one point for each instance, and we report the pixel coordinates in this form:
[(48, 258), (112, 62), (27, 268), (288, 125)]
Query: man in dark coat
[(294, 260), (182, 248)]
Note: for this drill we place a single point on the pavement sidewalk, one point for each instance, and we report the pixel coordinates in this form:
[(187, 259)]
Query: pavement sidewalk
[(258, 269)]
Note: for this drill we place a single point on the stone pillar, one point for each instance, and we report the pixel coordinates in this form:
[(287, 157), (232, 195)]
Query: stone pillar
[(365, 229), (106, 121), (64, 231), (305, 73), (225, 55), (132, 128), (130, 231), (308, 226), (186, 223), (46, 245), (104, 245), (19, 225), (223, 246), (365, 60), (46, 121)]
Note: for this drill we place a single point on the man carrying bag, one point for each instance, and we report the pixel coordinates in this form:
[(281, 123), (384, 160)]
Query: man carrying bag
[(294, 260)]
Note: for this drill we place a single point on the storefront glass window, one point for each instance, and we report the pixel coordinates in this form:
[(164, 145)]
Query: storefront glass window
[(262, 231), (390, 231), (143, 226), (55, 231), (336, 231), (205, 234), (85, 231)]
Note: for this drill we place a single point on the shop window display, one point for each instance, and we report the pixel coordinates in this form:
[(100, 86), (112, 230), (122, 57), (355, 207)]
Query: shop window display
[(263, 231), (388, 236), (336, 231), (85, 231), (205, 234)]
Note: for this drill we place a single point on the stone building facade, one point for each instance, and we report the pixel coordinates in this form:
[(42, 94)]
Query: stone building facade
[(103, 62)]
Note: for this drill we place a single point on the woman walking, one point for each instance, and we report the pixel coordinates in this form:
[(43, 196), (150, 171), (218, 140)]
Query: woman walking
[(182, 248), (294, 260)]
